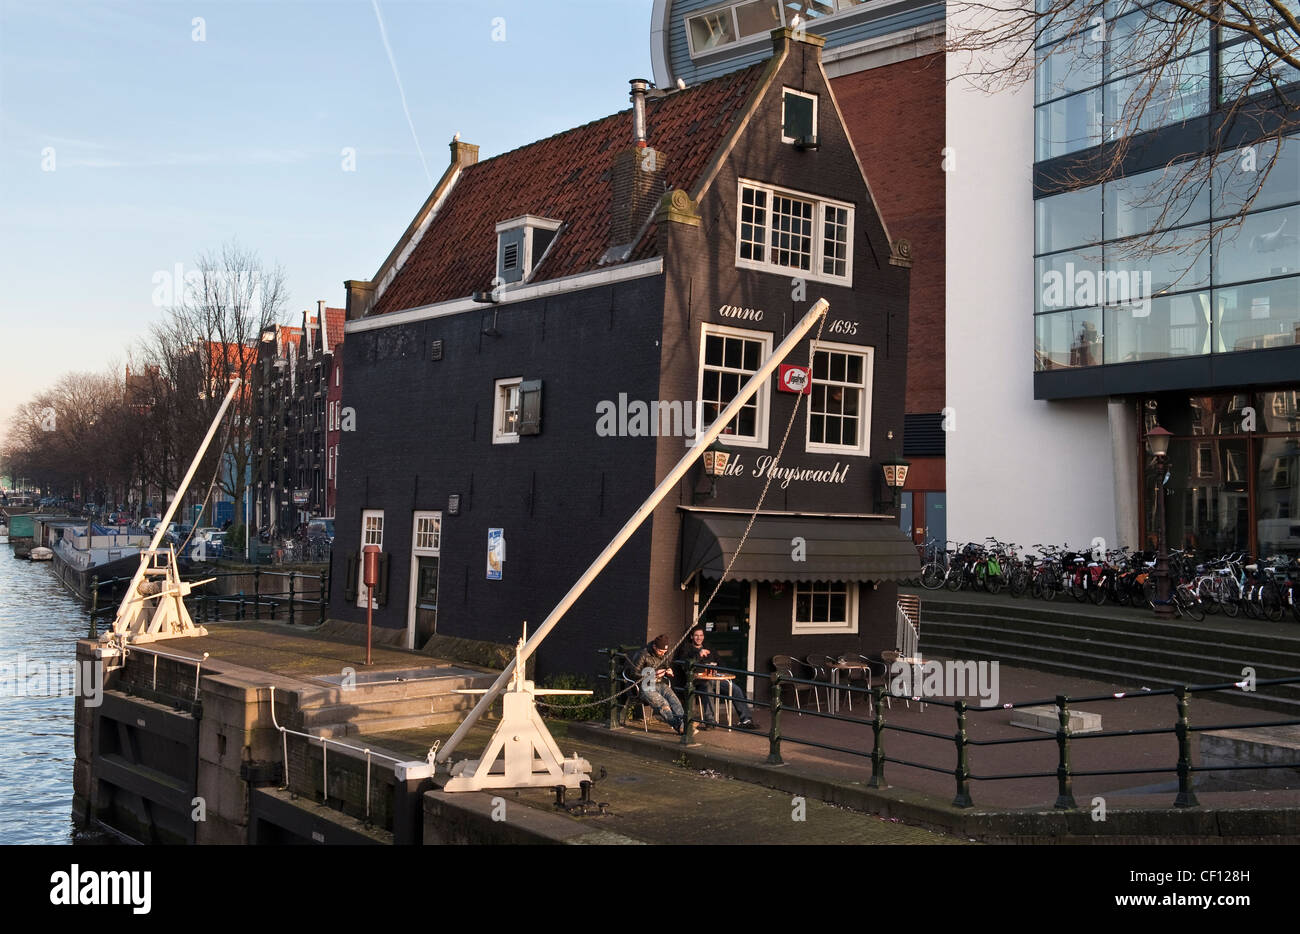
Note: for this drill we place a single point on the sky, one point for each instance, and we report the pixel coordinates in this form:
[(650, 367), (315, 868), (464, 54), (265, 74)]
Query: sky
[(136, 136)]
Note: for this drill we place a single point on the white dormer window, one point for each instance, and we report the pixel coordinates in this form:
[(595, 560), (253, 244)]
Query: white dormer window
[(522, 244)]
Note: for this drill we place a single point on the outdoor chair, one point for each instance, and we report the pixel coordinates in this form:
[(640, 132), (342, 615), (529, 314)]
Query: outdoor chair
[(633, 679), (790, 667), (864, 674), (824, 666)]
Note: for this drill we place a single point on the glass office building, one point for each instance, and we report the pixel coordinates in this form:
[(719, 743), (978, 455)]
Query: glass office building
[(1174, 285)]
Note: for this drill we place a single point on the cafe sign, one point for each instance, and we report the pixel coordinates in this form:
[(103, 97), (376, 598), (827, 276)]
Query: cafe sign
[(794, 379)]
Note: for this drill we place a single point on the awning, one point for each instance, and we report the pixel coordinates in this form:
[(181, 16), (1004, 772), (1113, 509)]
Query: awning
[(836, 547)]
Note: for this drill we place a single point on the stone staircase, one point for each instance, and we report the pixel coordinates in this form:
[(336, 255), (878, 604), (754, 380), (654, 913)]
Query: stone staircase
[(387, 700), (1115, 645)]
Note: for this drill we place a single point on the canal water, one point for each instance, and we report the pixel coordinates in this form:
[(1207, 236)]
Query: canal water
[(39, 625)]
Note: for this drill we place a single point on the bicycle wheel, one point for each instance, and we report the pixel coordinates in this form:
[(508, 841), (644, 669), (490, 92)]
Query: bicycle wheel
[(1078, 589), (1189, 605), (1207, 592), (1231, 598), (993, 583), (1270, 599), (954, 579), (932, 576), (1019, 582), (1097, 593)]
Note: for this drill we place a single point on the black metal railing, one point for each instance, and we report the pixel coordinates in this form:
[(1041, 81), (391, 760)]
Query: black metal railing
[(304, 601), (960, 768)]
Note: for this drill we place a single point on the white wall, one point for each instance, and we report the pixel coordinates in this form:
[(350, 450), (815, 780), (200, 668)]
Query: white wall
[(1017, 469)]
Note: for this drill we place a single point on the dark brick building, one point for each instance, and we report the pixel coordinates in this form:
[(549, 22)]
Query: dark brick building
[(547, 306)]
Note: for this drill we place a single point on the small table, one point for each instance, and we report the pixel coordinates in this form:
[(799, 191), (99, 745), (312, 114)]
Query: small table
[(850, 667), (718, 678)]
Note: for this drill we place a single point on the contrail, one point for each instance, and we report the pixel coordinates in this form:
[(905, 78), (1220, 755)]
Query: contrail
[(383, 34)]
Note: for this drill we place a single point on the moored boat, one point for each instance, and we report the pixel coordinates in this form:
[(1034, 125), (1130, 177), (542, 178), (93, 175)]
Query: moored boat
[(41, 553)]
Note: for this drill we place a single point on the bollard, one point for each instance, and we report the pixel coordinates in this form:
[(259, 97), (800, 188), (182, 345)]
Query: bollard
[(324, 594), (1186, 796), (688, 733), (962, 772), (774, 735), (94, 605), (1064, 783), (292, 578), (877, 740)]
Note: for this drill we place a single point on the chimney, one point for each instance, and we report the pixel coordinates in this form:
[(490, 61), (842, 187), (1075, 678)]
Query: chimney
[(636, 181), (463, 154), (639, 87)]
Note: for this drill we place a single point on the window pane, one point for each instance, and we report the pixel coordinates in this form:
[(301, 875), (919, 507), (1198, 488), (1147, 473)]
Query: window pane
[(1176, 261), (1132, 38), (1175, 327), (1068, 125), (1277, 495), (798, 115), (712, 30), (791, 232), (1265, 244), (1067, 280), (712, 350), (758, 16), (753, 355), (1135, 204), (1239, 174), (735, 349), (1067, 220), (1068, 66), (1279, 411), (1247, 68), (1067, 339), (1175, 92), (1251, 317)]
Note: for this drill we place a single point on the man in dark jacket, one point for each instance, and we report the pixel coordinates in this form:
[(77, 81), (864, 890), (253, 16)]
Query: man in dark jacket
[(653, 670), (694, 651)]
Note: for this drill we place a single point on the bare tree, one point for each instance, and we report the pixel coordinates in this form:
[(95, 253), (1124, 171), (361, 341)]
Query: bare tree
[(1152, 67), (204, 342)]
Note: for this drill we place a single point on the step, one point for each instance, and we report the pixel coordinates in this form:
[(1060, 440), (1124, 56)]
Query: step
[(408, 707), (319, 695), (384, 725)]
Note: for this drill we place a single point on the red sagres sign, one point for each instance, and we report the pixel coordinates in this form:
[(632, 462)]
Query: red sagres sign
[(794, 379)]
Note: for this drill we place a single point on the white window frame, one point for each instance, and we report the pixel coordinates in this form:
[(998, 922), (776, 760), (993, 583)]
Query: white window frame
[(818, 235), (813, 25), (762, 398), (417, 552), (863, 447), (850, 627), (370, 535), (499, 433), (797, 93)]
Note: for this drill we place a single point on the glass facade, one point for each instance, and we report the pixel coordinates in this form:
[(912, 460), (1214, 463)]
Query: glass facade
[(1234, 471)]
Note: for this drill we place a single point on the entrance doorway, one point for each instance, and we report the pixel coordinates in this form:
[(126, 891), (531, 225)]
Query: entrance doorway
[(426, 547), (728, 623)]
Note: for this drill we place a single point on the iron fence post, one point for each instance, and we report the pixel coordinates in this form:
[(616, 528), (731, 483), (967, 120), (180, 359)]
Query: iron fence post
[(239, 613), (94, 604), (962, 772), (257, 594), (1186, 796), (688, 731), (613, 691), (322, 595), (1064, 783), (774, 735), (292, 579), (877, 740)]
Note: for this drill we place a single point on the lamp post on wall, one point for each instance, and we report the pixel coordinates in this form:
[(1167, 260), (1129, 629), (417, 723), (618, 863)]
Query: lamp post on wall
[(895, 469), (1158, 446), (716, 457)]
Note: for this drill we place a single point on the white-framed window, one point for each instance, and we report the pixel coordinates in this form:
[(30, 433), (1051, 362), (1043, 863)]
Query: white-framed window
[(798, 115), (750, 21), (825, 607), (728, 358), (839, 402), (794, 234), (428, 533), (372, 533), (505, 411)]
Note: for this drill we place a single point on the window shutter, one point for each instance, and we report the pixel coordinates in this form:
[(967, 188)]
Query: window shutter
[(350, 578), (381, 588), (530, 407), (798, 116)]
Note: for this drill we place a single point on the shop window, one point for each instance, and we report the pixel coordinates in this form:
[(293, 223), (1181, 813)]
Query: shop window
[(839, 404), (825, 607), (729, 358), (784, 231)]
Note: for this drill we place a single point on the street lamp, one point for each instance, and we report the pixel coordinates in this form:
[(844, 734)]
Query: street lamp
[(895, 469), (716, 458), (1158, 446)]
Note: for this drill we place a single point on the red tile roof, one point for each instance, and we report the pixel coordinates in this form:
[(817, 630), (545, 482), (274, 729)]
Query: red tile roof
[(334, 320), (564, 177)]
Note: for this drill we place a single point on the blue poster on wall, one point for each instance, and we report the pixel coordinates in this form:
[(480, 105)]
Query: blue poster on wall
[(496, 553)]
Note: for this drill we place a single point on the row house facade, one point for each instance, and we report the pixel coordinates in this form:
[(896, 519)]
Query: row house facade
[(294, 460), (554, 318)]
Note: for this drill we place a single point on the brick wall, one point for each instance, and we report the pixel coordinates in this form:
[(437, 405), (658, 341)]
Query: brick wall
[(895, 115)]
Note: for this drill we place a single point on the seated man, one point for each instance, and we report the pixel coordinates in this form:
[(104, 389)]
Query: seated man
[(694, 651), (652, 670)]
